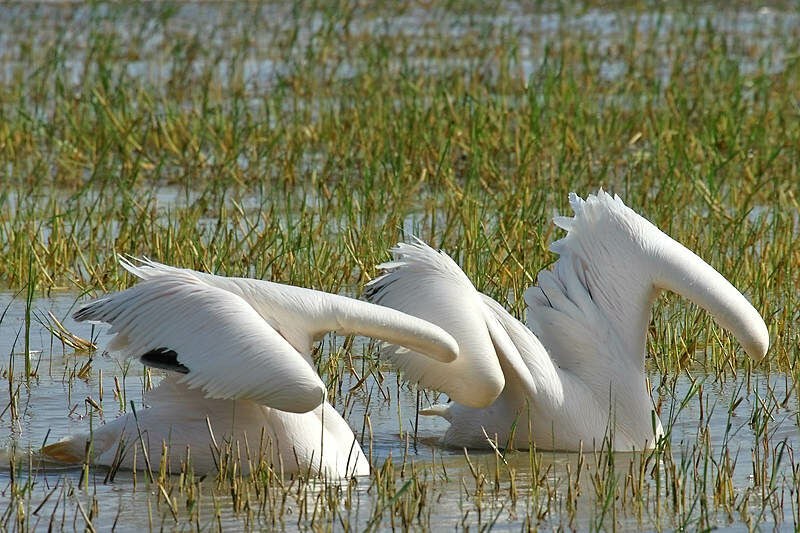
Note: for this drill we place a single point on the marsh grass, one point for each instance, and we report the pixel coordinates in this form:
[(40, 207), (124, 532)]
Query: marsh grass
[(298, 143)]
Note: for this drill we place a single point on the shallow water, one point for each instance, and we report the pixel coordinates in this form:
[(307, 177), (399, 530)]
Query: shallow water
[(748, 33), (53, 405)]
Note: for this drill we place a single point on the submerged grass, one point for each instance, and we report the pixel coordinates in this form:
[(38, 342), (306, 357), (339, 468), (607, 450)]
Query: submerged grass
[(298, 143)]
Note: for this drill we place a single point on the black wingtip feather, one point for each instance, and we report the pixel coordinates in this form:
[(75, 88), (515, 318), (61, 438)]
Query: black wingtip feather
[(165, 359), (81, 314), (90, 310)]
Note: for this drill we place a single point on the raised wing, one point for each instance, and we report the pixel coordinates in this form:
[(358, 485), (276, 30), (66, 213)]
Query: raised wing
[(424, 283), (249, 339), (303, 315), (524, 361), (220, 342)]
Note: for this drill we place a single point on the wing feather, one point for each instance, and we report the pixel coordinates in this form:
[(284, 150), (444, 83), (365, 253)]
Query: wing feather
[(424, 283), (302, 315), (245, 338), (229, 350)]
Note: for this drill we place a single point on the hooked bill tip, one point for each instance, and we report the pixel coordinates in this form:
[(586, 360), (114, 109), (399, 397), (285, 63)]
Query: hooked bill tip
[(758, 347)]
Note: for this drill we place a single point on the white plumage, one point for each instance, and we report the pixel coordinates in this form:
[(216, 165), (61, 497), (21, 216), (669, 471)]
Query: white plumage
[(436, 290), (241, 352), (575, 376)]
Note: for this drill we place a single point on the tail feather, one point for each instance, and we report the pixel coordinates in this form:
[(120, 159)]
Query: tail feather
[(437, 409), (65, 451)]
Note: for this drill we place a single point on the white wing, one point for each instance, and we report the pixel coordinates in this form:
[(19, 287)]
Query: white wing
[(245, 339), (522, 357), (303, 315), (223, 345), (430, 285)]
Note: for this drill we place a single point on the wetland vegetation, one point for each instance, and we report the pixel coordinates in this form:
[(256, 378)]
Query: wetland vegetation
[(297, 143)]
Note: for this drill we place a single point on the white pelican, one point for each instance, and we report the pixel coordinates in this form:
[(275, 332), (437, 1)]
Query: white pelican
[(576, 374), (239, 354)]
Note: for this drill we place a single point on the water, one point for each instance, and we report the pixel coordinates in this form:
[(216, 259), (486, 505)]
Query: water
[(54, 405), (749, 35)]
